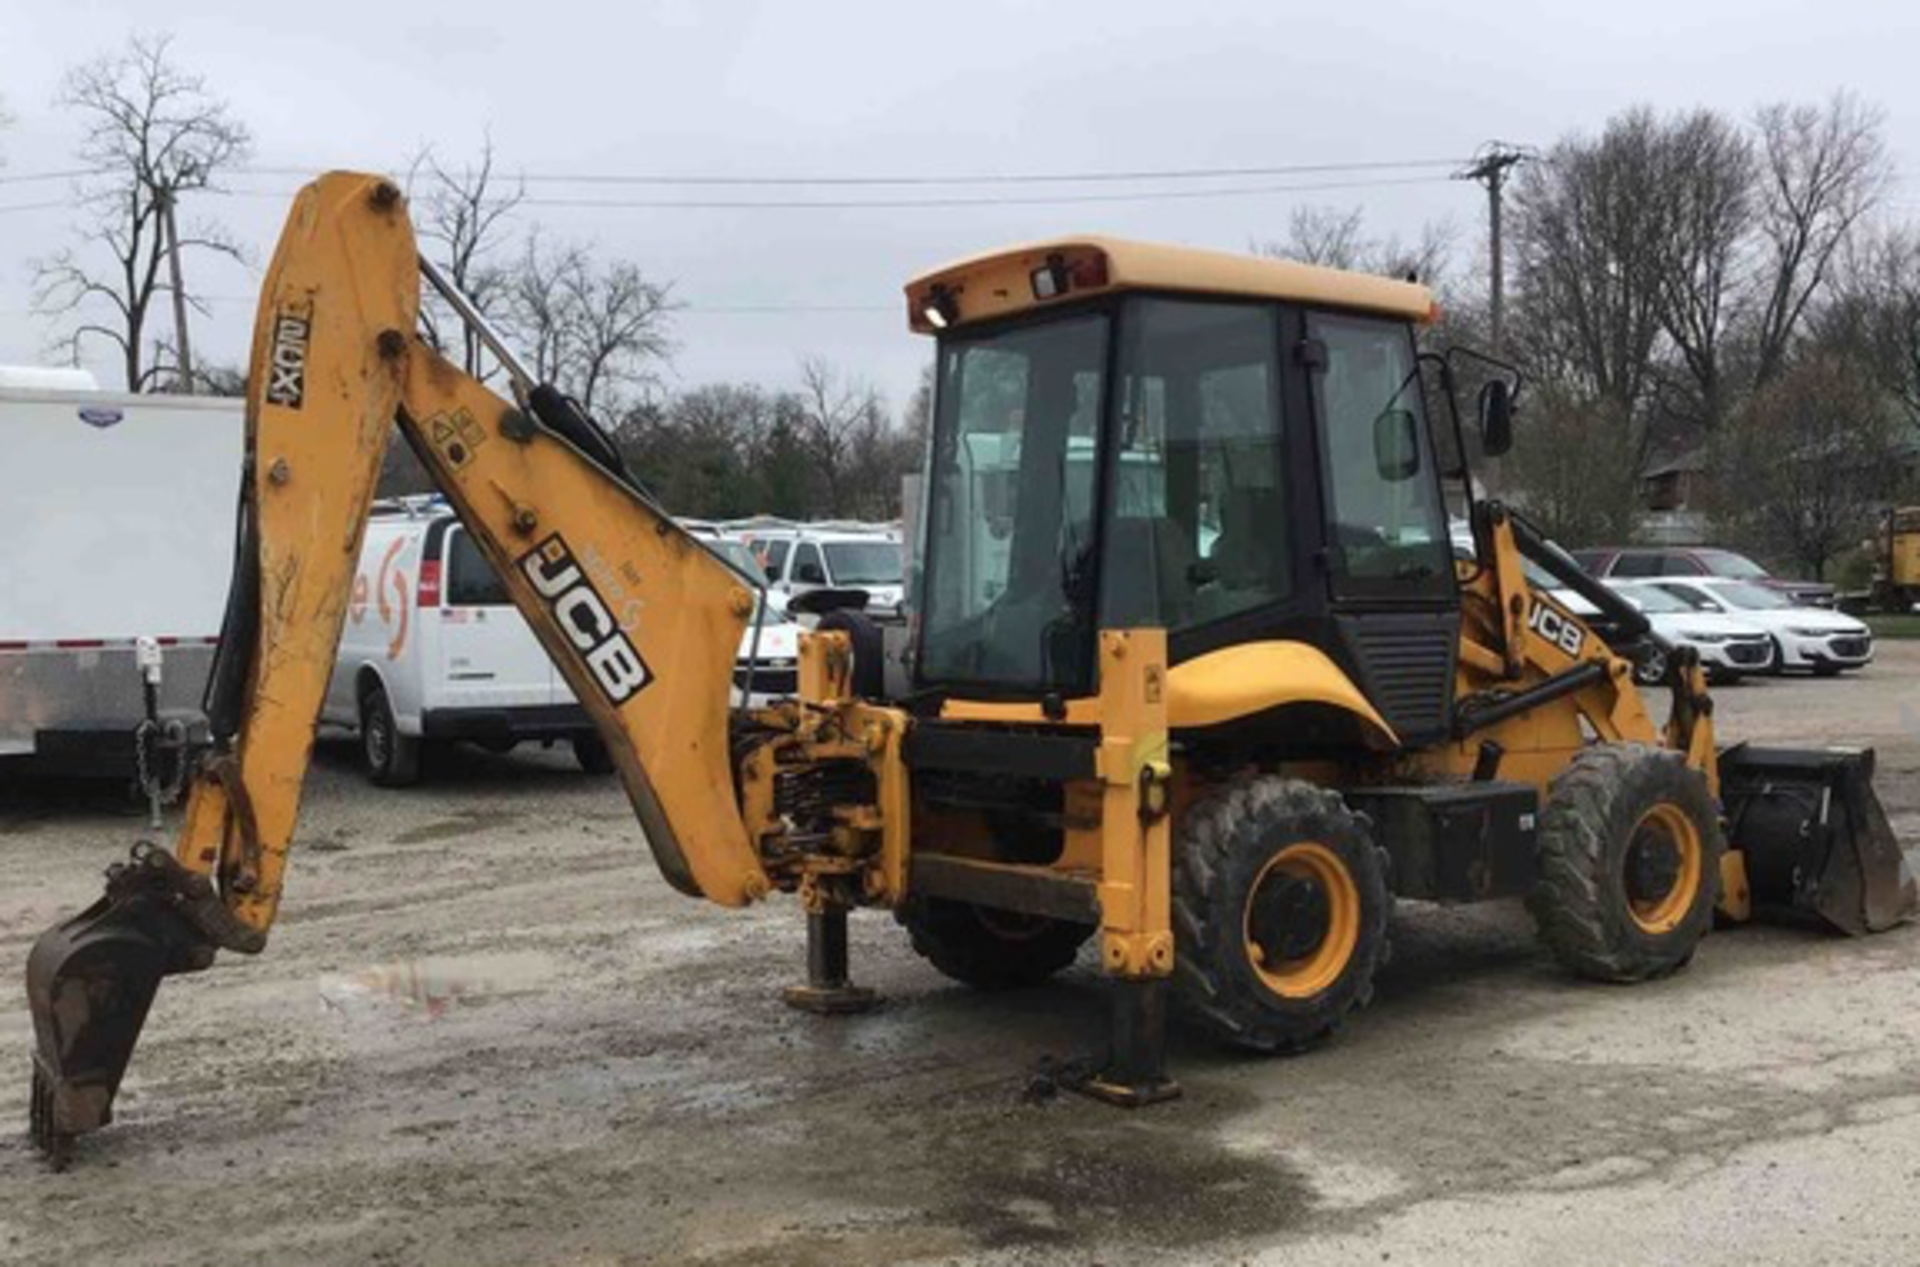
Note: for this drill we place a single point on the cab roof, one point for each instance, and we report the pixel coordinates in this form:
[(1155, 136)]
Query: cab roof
[(1000, 283)]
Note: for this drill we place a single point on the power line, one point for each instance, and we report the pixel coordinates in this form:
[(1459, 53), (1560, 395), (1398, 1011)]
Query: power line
[(661, 179), (974, 178), (900, 204)]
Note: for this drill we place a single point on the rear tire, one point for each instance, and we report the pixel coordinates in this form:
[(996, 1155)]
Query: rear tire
[(987, 948), (1652, 669), (1280, 908), (392, 759), (1630, 849), (591, 752)]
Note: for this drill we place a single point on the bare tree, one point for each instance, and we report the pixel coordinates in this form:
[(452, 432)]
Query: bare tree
[(464, 213), (1799, 472), (1570, 470), (1874, 315), (153, 133), (1338, 238), (1823, 168), (839, 420), (599, 331), (1589, 298), (1706, 201)]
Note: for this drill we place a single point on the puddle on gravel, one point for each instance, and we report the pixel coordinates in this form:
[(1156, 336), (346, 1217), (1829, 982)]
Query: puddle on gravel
[(432, 987)]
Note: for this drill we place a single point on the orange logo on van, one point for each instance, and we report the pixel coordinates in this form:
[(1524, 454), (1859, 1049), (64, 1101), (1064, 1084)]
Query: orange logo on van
[(387, 612), (357, 605)]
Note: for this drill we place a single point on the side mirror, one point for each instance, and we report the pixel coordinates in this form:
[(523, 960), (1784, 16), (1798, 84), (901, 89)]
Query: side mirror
[(810, 574), (1496, 417), (1396, 445)]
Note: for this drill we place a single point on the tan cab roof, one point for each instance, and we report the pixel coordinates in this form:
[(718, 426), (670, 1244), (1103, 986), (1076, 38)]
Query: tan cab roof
[(996, 283)]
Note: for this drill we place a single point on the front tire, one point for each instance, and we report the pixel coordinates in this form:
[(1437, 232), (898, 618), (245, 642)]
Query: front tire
[(1630, 849), (392, 759), (1280, 908), (987, 948)]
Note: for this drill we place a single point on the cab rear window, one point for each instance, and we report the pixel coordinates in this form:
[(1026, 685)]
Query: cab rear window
[(470, 582)]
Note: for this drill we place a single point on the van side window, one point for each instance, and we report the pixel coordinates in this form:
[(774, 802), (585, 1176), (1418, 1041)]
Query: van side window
[(807, 569), (773, 556), (469, 581)]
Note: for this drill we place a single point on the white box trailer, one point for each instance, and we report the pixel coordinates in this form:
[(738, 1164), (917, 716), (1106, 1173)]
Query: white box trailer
[(120, 521)]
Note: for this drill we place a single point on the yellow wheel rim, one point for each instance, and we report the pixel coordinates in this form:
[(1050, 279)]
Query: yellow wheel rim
[(1302, 920), (1664, 868)]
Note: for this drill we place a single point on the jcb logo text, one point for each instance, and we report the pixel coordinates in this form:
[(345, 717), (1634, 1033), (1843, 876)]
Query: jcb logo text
[(583, 615), (1555, 628)]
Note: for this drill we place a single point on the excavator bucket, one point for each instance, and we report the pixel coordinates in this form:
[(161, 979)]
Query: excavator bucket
[(90, 981), (1815, 836)]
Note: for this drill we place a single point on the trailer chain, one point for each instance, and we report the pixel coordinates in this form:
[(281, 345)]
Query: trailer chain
[(148, 735)]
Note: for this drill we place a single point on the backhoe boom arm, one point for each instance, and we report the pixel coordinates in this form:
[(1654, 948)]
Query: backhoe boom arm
[(641, 620)]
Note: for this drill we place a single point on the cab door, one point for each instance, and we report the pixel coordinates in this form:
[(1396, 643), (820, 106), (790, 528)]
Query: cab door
[(1388, 558), (489, 658)]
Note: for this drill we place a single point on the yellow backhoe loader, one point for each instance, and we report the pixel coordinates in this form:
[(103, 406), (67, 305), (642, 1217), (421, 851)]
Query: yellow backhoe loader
[(1194, 670)]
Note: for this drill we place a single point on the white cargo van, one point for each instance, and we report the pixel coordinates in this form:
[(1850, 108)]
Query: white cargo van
[(120, 521), (434, 650)]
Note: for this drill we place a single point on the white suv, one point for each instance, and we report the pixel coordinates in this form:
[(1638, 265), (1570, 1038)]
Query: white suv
[(433, 649)]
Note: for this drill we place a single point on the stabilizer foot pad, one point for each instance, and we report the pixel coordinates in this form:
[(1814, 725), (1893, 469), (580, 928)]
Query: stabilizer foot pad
[(1129, 1095), (837, 1000)]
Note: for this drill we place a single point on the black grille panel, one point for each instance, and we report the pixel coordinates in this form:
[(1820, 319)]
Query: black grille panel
[(1406, 663), (1749, 652)]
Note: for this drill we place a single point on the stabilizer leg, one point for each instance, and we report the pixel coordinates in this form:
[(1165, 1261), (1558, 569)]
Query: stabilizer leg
[(828, 991), (1135, 1073)]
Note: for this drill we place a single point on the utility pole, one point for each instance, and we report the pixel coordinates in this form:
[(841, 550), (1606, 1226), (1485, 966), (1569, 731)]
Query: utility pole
[(183, 378), (1491, 168)]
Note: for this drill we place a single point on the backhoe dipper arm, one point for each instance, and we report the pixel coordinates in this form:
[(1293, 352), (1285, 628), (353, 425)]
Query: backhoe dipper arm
[(642, 621)]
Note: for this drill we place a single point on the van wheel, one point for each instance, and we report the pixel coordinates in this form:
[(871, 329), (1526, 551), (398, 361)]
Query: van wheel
[(591, 752), (393, 759)]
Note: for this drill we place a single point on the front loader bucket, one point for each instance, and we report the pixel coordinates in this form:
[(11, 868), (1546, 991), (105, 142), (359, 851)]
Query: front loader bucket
[(90, 981), (1815, 836)]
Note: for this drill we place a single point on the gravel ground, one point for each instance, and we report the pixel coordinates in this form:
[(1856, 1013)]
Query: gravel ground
[(487, 1033)]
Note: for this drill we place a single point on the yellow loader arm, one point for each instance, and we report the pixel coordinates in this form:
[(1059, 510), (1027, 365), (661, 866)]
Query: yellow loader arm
[(641, 619)]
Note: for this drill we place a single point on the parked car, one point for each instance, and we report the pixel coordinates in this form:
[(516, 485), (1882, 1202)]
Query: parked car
[(1629, 563), (804, 558), (1728, 646), (1825, 642)]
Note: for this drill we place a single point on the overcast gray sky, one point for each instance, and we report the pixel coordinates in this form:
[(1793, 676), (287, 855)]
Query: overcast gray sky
[(684, 87)]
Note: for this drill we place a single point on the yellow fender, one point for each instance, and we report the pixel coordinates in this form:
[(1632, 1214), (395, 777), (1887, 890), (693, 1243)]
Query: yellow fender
[(1253, 677)]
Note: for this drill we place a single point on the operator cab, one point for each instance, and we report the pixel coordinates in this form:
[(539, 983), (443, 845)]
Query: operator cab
[(1138, 436)]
